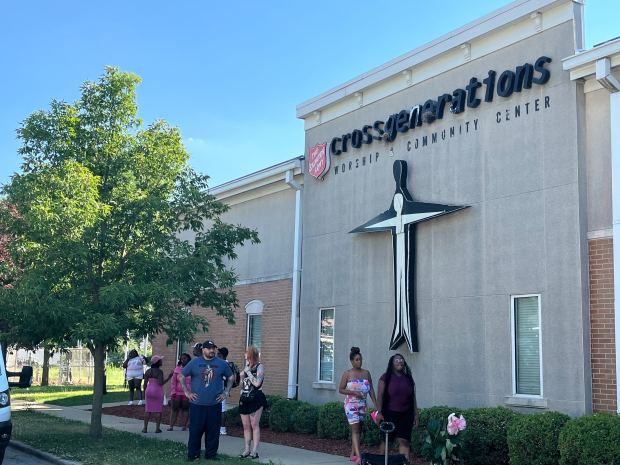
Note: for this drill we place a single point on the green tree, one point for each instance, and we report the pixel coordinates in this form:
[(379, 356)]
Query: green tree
[(103, 206)]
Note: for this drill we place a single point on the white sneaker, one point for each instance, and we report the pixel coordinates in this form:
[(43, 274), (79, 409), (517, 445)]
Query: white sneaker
[(139, 402), (130, 402), (223, 431)]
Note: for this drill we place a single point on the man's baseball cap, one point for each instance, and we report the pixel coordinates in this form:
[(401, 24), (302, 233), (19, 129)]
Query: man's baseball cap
[(209, 344)]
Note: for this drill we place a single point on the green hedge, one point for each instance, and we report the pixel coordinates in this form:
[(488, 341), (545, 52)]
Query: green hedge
[(304, 418), (484, 440), (264, 419), (494, 436), (591, 440), (272, 399), (281, 414), (371, 436), (533, 439), (232, 417), (332, 421), (439, 412)]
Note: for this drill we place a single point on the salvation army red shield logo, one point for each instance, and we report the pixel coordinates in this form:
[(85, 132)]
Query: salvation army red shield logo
[(318, 161)]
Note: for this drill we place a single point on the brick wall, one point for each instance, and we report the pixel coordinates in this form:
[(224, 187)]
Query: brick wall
[(602, 325), (276, 323)]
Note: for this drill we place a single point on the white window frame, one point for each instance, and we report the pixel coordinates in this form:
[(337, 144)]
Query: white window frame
[(179, 343), (318, 365), (253, 308), (514, 348), (188, 349)]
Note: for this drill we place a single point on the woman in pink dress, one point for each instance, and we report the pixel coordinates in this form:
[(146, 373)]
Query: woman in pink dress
[(178, 399), (356, 385), (154, 392)]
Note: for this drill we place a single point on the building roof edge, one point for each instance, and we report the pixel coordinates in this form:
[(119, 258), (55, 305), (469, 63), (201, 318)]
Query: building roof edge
[(499, 18), (258, 178)]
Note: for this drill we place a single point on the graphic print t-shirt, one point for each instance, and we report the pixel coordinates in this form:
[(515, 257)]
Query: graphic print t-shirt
[(207, 378)]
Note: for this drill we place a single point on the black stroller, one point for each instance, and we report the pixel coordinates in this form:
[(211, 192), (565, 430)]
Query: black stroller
[(374, 459)]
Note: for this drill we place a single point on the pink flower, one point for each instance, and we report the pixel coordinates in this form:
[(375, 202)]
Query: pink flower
[(456, 424)]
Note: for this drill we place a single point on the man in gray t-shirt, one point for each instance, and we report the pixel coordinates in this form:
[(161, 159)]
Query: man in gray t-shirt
[(207, 375)]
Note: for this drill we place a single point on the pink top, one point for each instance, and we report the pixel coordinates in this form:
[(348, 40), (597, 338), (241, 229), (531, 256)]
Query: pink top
[(176, 390)]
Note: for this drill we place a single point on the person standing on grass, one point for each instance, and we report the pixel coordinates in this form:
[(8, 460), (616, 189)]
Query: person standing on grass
[(154, 392), (134, 372), (252, 401), (207, 374), (178, 400)]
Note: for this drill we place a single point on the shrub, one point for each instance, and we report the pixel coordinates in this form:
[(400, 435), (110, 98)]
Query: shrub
[(484, 440), (591, 440), (332, 421), (371, 436), (533, 439), (440, 413), (280, 415), (271, 399), (304, 418), (232, 417)]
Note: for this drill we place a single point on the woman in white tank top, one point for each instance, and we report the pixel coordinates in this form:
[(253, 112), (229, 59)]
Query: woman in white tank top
[(134, 373)]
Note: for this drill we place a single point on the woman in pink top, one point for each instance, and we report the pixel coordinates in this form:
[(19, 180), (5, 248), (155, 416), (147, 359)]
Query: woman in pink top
[(154, 392), (178, 400)]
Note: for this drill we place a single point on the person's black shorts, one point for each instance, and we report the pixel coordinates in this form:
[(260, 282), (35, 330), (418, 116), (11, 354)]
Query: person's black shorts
[(403, 423)]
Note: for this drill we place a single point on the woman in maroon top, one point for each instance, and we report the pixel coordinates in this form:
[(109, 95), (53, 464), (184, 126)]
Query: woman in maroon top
[(397, 402)]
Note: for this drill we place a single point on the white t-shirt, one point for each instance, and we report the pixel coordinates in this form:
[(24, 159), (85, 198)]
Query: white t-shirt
[(134, 368)]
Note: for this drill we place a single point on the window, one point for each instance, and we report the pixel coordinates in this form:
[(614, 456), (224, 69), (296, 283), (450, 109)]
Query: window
[(184, 347), (254, 310), (254, 330), (326, 345), (526, 344)]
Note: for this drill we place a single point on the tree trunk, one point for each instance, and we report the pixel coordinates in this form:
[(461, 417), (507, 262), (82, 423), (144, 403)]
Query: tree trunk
[(45, 370), (96, 430)]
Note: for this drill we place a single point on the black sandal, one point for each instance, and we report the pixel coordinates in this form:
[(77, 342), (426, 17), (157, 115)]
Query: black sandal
[(253, 456), (244, 455)]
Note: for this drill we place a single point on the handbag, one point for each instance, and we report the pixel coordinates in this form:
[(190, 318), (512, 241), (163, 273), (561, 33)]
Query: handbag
[(248, 395), (249, 391)]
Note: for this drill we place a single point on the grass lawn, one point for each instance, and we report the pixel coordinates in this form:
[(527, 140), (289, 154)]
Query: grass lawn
[(67, 395), (70, 440), (84, 376)]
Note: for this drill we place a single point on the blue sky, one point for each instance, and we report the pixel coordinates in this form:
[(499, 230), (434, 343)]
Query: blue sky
[(229, 76)]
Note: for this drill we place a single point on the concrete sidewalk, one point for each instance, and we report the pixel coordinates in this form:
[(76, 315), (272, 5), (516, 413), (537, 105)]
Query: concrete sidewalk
[(232, 446)]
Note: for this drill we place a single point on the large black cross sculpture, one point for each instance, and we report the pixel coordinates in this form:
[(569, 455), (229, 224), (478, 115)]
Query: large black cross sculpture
[(400, 219)]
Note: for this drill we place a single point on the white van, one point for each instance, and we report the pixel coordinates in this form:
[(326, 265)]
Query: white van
[(25, 379)]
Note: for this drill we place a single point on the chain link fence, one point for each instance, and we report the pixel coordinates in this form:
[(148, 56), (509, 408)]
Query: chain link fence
[(68, 366)]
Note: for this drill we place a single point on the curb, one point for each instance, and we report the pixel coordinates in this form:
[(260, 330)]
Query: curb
[(40, 454)]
